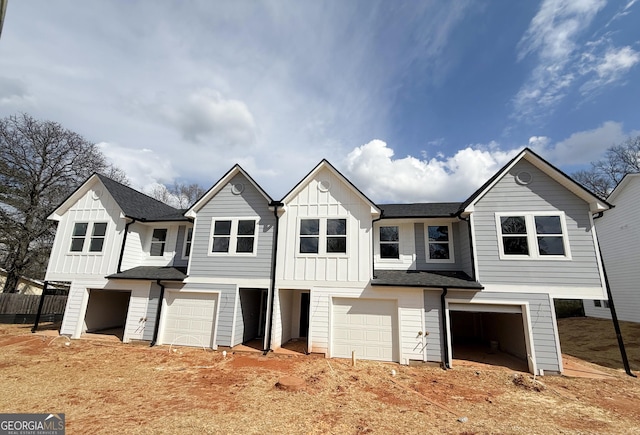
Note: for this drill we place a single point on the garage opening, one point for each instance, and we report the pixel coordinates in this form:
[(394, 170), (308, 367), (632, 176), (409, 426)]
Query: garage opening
[(482, 335), (253, 315), (107, 312)]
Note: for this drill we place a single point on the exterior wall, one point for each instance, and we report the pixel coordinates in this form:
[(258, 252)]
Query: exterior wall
[(96, 205), (422, 250), (407, 246), (178, 259), (171, 249), (464, 258), (314, 201), (227, 301), (542, 320), (433, 325), (619, 237), (152, 311), (225, 204), (410, 317), (574, 276), (133, 250)]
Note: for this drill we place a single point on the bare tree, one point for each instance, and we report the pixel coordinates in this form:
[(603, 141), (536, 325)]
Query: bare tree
[(180, 195), (41, 162), (605, 174)]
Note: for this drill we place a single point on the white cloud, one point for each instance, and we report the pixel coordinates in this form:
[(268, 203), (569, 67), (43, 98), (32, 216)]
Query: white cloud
[(385, 179), (206, 116), (610, 67), (144, 168)]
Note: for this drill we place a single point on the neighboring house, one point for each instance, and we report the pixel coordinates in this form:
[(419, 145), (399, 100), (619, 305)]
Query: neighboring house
[(619, 235), (389, 282), (26, 286)]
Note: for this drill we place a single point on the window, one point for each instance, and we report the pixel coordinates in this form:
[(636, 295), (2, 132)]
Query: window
[(327, 236), (597, 304), (309, 236), (158, 240), (186, 251), (438, 240), (77, 239), (606, 304), (233, 236), (97, 237), (532, 235), (337, 235), (98, 234), (389, 242)]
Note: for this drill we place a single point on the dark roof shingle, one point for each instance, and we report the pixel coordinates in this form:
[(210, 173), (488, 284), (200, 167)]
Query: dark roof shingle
[(422, 278), (164, 273), (139, 206)]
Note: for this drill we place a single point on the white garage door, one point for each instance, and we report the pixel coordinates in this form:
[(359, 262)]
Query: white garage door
[(366, 326), (190, 319)]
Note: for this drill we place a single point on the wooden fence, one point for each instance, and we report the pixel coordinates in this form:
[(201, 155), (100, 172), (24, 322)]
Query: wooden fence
[(17, 308)]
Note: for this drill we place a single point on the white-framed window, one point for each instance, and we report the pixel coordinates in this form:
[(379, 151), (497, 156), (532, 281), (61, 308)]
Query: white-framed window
[(531, 235), (322, 236), (390, 242), (158, 242), (188, 239), (439, 239), (96, 241), (233, 236)]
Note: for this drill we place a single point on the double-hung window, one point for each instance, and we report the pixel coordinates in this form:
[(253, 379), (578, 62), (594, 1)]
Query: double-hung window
[(323, 236), (158, 242), (440, 243), (389, 242), (96, 241), (233, 236), (532, 235)]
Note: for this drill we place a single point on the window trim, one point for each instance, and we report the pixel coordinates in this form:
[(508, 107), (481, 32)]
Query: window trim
[(185, 241), (322, 237), (532, 236), (452, 256), (164, 247), (379, 242), (233, 237), (87, 237)]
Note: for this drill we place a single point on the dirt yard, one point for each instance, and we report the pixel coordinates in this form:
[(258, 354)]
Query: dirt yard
[(106, 387)]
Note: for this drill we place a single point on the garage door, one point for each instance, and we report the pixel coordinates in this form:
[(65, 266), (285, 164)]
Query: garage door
[(190, 319), (367, 326)]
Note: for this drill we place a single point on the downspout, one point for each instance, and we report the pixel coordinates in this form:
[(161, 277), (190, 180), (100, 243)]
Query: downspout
[(124, 242), (445, 330), (40, 305), (614, 316), (156, 327), (274, 262)]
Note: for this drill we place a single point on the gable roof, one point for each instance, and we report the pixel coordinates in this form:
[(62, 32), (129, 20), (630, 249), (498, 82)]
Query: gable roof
[(628, 178), (236, 169), (418, 210), (324, 164), (133, 204), (596, 203)]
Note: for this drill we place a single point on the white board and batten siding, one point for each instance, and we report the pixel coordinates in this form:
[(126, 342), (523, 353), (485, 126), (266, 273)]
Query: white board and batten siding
[(315, 200), (574, 277), (96, 205), (619, 237)]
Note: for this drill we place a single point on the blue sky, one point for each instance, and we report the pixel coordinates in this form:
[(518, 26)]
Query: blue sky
[(412, 100)]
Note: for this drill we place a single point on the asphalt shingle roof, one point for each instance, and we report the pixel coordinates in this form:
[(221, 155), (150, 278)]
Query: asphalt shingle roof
[(427, 210), (139, 206), (421, 278), (165, 273)]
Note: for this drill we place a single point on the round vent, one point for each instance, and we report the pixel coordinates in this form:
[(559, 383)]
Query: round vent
[(524, 177), (97, 193), (324, 185), (237, 188)]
